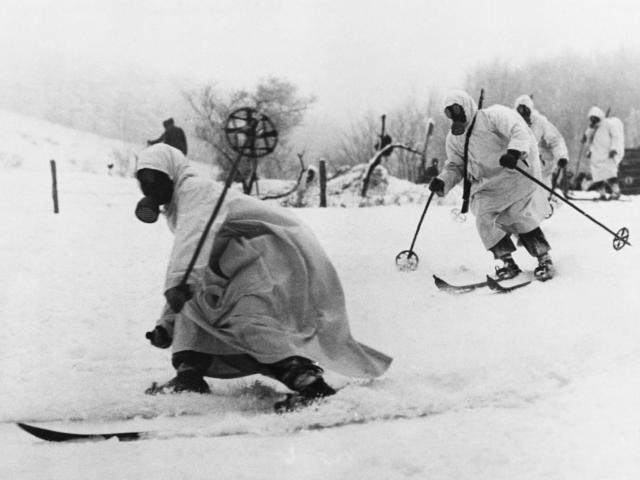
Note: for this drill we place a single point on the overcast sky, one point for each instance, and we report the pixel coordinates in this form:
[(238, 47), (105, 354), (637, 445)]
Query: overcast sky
[(352, 54)]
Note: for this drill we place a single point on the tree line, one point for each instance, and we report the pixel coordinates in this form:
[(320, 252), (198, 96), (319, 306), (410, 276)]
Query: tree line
[(109, 102), (563, 88)]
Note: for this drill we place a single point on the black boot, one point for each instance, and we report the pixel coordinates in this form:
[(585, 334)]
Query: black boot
[(544, 271), (509, 268), (305, 378), (185, 381), (190, 367), (316, 390)]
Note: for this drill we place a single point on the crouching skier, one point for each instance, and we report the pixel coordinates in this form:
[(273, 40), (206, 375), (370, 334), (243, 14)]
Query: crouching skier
[(503, 201), (262, 298)]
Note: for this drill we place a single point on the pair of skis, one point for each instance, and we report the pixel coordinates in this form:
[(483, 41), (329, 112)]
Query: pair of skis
[(493, 285)]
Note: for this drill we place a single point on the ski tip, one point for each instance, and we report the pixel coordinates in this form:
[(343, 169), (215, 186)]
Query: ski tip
[(439, 281), (494, 285), (26, 427), (35, 431), (59, 436)]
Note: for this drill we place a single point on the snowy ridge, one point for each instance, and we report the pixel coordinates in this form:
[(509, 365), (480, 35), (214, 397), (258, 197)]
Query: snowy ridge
[(29, 143)]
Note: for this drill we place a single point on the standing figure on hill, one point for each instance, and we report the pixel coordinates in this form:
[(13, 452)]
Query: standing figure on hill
[(503, 201), (262, 298), (551, 144), (172, 135), (604, 140)]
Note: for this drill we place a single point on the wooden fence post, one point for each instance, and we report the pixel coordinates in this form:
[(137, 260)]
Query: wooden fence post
[(54, 186), (323, 183)]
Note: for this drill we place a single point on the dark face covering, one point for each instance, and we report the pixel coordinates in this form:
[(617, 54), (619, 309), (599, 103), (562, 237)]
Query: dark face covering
[(458, 118), (147, 210), (157, 188), (594, 121), (525, 113)]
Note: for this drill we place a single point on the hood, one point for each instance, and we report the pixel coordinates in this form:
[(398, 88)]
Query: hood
[(463, 99), (525, 100), (595, 112), (165, 159)]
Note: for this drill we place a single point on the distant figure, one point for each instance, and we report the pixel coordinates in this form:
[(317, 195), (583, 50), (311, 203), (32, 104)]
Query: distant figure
[(110, 168), (310, 180), (605, 148), (432, 172), (551, 144), (173, 136), (383, 142), (426, 174)]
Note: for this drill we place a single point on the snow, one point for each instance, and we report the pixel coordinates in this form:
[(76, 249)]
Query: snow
[(543, 382)]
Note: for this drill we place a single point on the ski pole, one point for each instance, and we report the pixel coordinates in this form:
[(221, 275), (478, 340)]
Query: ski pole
[(580, 154), (407, 260), (621, 237), (213, 216)]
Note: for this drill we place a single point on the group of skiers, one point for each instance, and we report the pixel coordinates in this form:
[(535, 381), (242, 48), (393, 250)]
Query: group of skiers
[(491, 144), (264, 298)]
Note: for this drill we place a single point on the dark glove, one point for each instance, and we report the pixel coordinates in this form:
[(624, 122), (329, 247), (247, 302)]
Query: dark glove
[(612, 153), (588, 153), (510, 159), (437, 186), (177, 296), (159, 337), (562, 162)]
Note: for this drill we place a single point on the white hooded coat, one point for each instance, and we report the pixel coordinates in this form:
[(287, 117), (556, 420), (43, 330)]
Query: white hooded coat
[(606, 136), (264, 287), (551, 144), (503, 200)]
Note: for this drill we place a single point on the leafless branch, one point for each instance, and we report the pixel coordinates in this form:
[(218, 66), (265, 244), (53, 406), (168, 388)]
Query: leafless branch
[(295, 187)]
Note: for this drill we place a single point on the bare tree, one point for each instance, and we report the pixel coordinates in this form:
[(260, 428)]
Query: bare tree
[(565, 87), (277, 98), (407, 125)]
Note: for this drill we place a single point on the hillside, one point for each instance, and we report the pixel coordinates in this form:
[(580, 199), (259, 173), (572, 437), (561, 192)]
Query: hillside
[(29, 143)]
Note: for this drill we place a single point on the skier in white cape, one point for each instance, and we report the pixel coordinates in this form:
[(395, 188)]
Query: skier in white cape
[(551, 145), (605, 149), (503, 200), (262, 298)]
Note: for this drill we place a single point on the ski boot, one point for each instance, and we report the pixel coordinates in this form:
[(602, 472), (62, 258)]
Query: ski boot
[(544, 271), (509, 268), (186, 381), (190, 367), (304, 377), (615, 193), (602, 194)]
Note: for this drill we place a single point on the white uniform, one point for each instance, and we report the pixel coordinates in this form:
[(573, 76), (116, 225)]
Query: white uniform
[(607, 136), (551, 144), (503, 200)]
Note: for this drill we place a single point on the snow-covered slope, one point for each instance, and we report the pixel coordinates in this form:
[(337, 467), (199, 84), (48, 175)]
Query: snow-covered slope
[(540, 383), (29, 143)]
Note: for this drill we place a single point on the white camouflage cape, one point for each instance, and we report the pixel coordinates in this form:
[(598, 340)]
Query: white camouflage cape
[(265, 288)]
